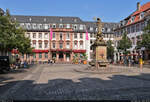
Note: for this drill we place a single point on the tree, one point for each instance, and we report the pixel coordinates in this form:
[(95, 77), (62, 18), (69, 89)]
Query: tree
[(12, 36), (124, 44), (110, 50), (145, 38)]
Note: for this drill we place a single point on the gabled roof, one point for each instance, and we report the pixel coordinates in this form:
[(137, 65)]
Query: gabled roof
[(136, 14), (142, 8)]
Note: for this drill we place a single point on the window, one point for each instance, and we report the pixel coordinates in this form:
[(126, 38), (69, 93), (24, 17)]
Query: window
[(46, 55), (103, 29), (96, 29), (60, 36), (60, 45), (128, 30), (34, 26), (68, 45), (75, 20), (81, 35), (75, 44), (54, 45), (108, 30), (68, 25), (46, 35), (40, 35), (40, 55), (54, 26), (142, 26), (28, 26), (68, 36), (137, 28), (132, 29), (91, 28), (81, 45), (81, 27), (141, 15), (132, 19), (75, 27), (60, 25), (60, 19), (46, 26), (91, 35), (40, 26), (34, 35), (40, 45), (46, 45), (28, 35), (75, 35), (34, 45), (34, 55), (53, 35)]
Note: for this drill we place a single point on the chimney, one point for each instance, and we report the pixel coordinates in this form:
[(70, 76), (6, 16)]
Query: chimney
[(138, 6)]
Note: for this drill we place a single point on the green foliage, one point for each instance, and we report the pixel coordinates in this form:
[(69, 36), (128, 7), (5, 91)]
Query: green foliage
[(75, 58), (145, 38), (110, 50), (84, 55), (124, 44), (12, 37)]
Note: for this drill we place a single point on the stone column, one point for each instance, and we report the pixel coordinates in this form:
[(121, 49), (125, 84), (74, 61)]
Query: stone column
[(71, 56), (118, 56), (64, 54), (114, 57), (57, 57)]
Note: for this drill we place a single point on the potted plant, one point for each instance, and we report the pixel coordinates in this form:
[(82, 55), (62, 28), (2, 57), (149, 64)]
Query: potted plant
[(84, 55), (75, 59)]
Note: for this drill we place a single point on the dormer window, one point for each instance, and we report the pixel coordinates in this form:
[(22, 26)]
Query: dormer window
[(30, 19), (15, 19), (75, 20), (60, 19), (103, 29), (132, 19), (54, 26), (81, 27), (28, 25), (60, 25), (40, 26), (34, 26), (75, 26), (44, 19), (141, 15), (46, 26), (91, 28)]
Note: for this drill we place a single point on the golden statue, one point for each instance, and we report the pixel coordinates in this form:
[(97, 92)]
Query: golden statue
[(99, 38)]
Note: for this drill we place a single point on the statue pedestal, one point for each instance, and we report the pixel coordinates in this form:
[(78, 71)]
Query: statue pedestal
[(101, 56)]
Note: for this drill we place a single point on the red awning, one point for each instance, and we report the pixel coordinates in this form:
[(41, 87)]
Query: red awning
[(63, 50), (79, 51), (38, 51), (15, 51)]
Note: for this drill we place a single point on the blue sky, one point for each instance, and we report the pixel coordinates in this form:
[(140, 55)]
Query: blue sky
[(107, 10)]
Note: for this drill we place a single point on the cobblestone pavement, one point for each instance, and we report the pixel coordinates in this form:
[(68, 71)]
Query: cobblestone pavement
[(62, 82)]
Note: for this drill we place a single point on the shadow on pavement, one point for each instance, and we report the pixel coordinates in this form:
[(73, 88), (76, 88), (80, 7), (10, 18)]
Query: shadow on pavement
[(117, 87)]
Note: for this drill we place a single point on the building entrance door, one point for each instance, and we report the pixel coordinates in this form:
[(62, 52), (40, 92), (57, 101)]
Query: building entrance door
[(68, 57), (61, 56)]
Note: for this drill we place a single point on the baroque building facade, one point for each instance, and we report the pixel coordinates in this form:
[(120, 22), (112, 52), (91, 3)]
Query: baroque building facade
[(69, 36)]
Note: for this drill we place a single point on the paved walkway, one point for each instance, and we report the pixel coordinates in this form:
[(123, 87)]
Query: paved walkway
[(62, 82)]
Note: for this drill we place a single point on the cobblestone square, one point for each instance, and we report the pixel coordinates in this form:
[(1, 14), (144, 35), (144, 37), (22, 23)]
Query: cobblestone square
[(67, 81)]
